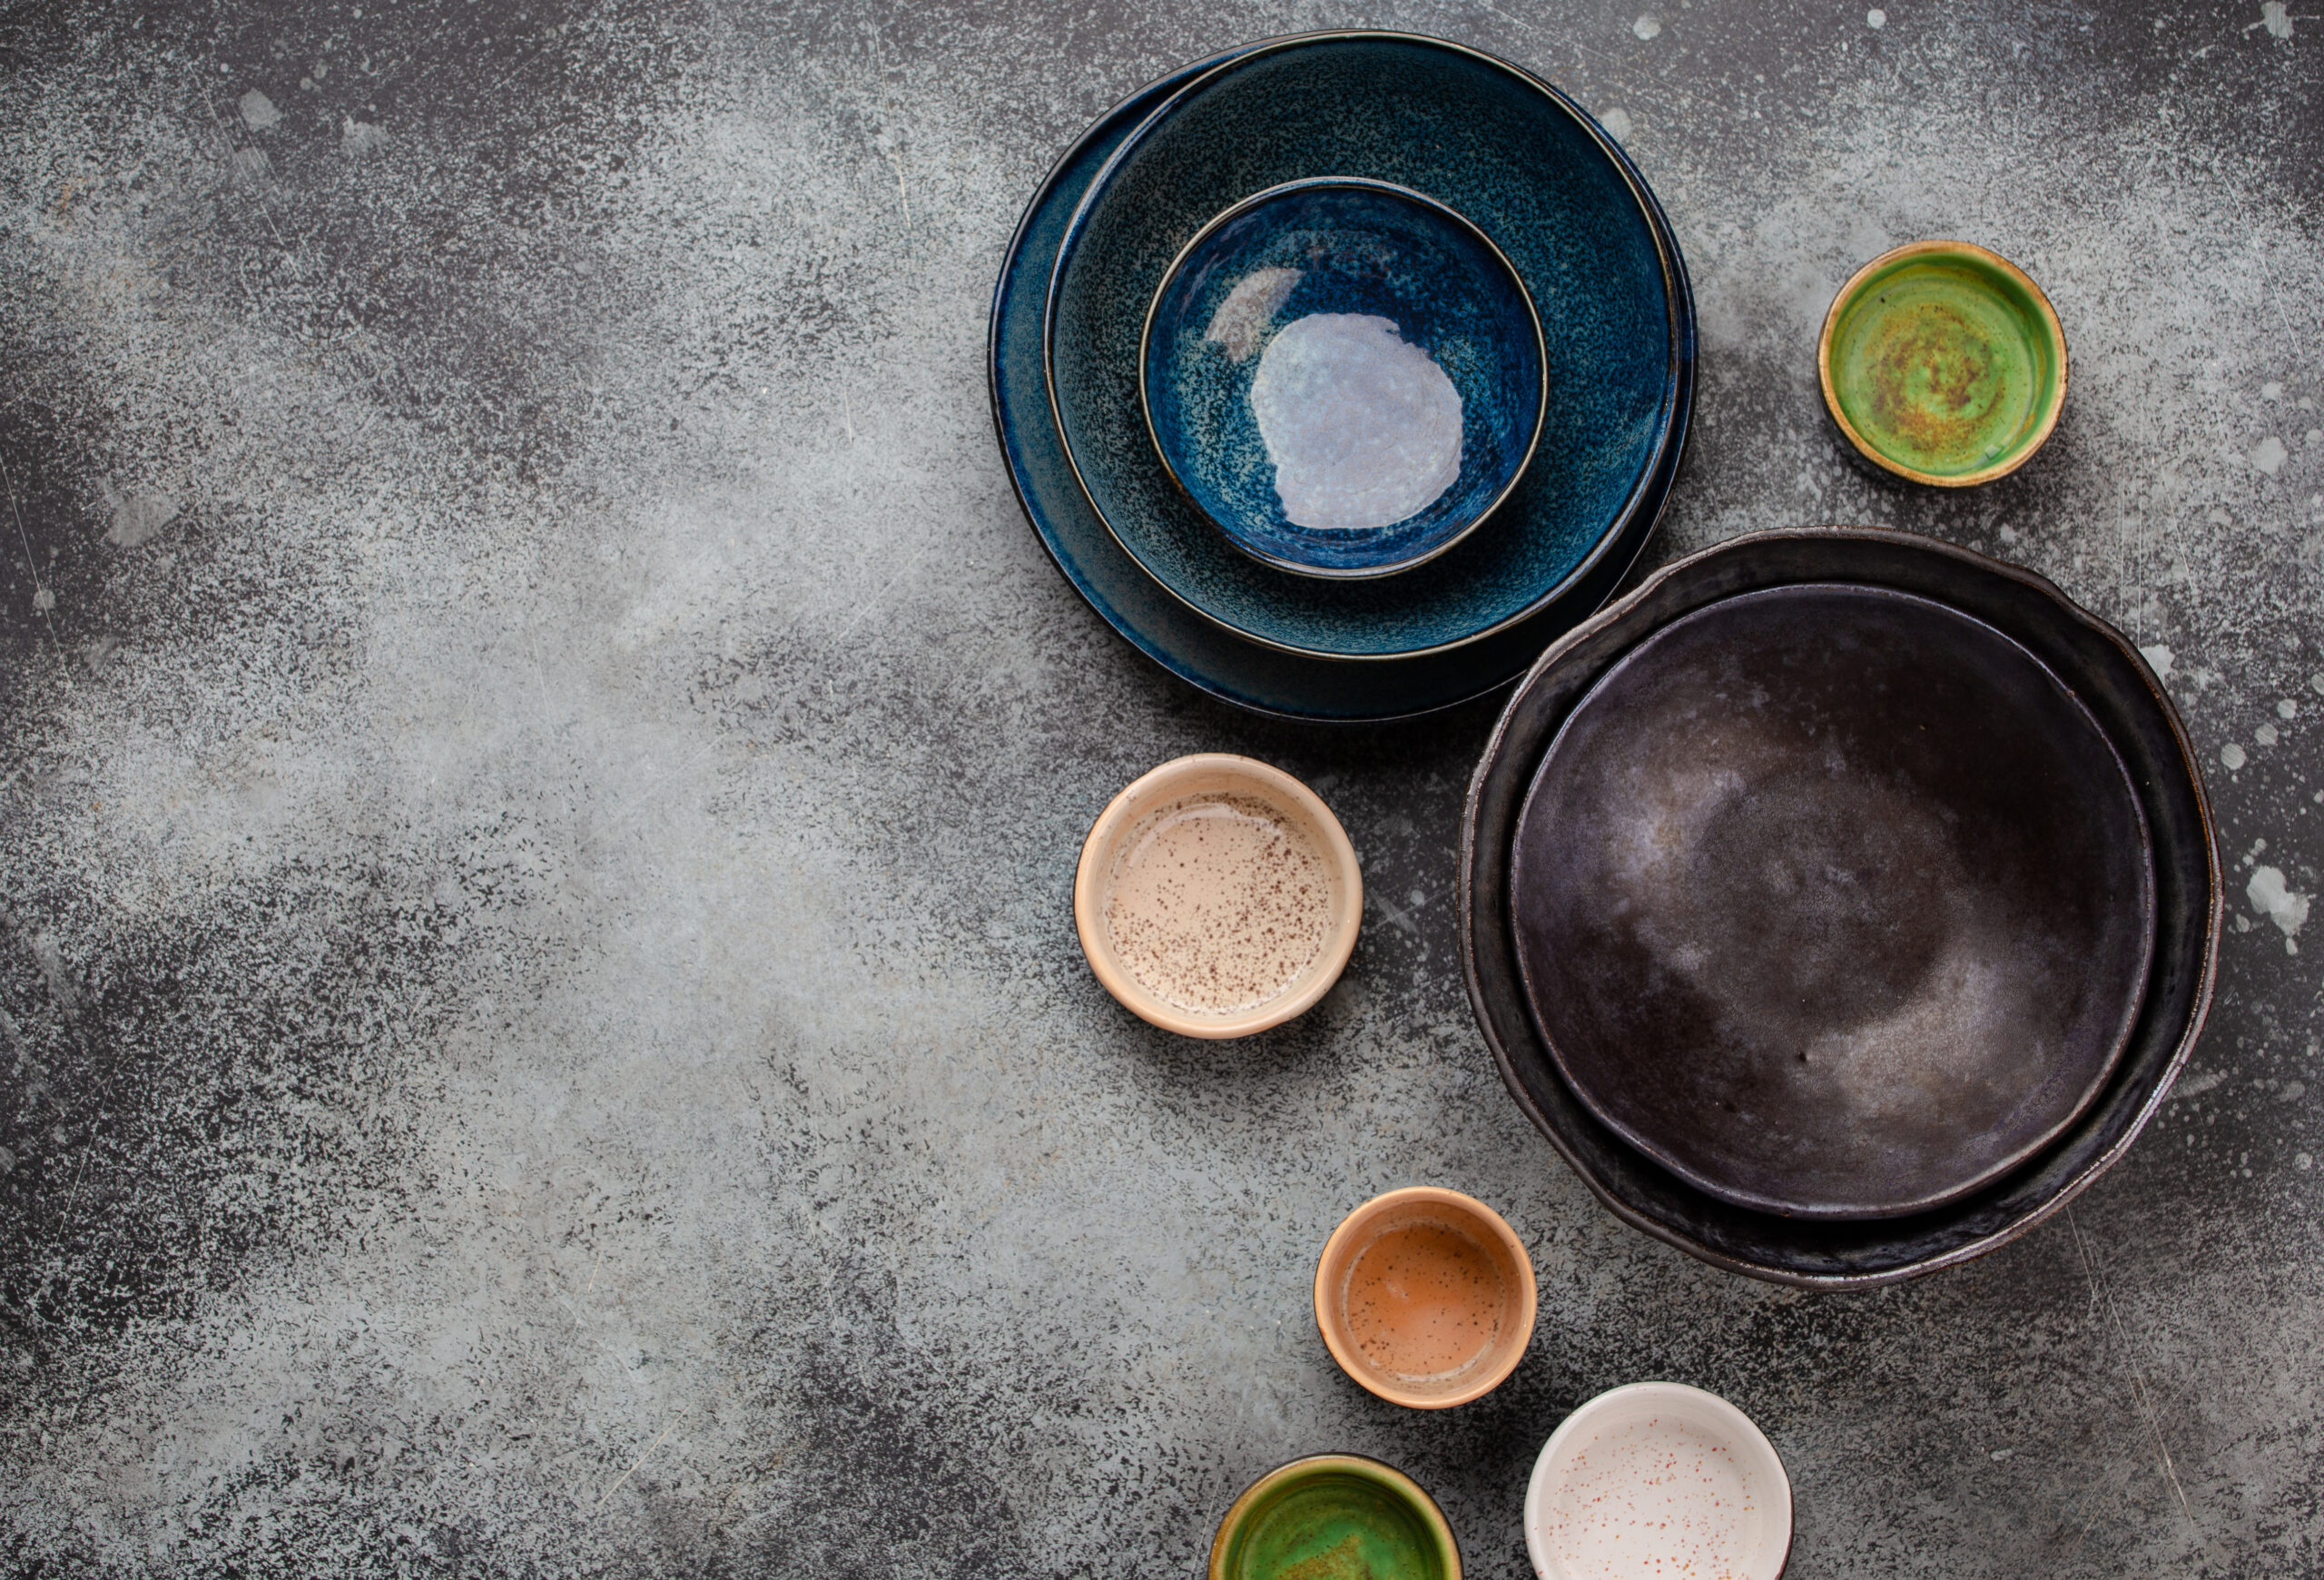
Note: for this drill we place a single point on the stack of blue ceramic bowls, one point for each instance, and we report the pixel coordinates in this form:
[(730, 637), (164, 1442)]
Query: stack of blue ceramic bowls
[(1345, 372)]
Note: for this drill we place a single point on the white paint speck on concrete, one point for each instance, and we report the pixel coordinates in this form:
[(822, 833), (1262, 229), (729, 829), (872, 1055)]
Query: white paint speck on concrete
[(2270, 897)]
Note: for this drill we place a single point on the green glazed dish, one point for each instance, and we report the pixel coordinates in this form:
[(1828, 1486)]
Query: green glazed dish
[(1942, 362), (1334, 1516)]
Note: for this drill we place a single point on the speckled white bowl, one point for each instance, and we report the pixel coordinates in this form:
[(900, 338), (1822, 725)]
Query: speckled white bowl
[(1726, 1511)]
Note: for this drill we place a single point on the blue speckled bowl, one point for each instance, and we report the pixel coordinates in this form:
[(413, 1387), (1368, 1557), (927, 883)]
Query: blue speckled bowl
[(1163, 627), (1497, 145), (1346, 377)]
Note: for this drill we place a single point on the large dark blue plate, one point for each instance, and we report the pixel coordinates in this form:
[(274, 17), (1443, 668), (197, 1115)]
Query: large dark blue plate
[(1500, 147), (1186, 643)]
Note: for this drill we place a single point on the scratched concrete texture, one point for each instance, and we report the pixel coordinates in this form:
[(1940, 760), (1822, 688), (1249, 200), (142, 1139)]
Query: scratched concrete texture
[(540, 768)]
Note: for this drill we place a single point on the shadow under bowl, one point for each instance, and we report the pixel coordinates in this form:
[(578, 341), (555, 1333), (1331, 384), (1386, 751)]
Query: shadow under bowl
[(2107, 678), (1334, 1514), (1346, 377), (1425, 1297), (1944, 363)]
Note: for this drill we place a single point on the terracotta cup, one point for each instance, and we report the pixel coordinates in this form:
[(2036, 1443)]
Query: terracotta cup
[(1425, 1297)]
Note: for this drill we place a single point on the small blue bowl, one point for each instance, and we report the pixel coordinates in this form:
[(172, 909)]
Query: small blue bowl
[(1345, 376)]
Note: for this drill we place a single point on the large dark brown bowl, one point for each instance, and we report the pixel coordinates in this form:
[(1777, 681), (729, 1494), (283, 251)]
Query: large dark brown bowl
[(2107, 677), (1833, 900)]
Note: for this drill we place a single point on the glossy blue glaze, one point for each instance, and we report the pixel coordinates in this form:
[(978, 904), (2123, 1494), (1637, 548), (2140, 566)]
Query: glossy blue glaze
[(1338, 253), (1502, 149), (1189, 646)]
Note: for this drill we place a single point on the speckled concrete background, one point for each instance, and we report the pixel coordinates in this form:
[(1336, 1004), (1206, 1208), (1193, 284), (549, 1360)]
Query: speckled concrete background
[(541, 767)]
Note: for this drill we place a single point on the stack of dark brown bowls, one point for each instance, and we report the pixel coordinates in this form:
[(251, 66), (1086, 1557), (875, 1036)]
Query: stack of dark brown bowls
[(1839, 904)]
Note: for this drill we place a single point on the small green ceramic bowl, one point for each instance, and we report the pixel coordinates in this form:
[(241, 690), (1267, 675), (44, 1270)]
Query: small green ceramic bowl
[(1944, 363), (1334, 1516)]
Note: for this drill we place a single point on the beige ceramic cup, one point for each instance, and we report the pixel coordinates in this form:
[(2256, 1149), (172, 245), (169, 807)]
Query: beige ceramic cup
[(1425, 1297), (1286, 798)]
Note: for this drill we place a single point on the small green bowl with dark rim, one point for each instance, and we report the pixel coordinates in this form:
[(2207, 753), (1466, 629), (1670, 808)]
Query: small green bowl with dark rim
[(1944, 363), (1334, 1516)]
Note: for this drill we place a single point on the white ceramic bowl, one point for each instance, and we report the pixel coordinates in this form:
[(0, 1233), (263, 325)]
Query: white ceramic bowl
[(1657, 1470)]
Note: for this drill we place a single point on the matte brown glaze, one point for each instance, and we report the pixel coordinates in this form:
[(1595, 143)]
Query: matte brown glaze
[(1834, 901), (2110, 678)]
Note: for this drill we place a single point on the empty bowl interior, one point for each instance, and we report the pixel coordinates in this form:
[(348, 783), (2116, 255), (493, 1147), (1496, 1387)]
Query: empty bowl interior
[(1334, 1514), (1425, 1297), (1218, 897), (1942, 362), (1658, 1478), (2106, 675), (1345, 375), (1866, 874)]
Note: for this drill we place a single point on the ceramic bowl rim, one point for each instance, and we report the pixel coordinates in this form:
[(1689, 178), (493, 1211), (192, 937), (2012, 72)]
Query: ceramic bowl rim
[(1985, 257), (1697, 1405), (1442, 211), (1268, 783), (2149, 886), (1362, 1465), (1330, 1321), (2140, 1105), (1670, 430)]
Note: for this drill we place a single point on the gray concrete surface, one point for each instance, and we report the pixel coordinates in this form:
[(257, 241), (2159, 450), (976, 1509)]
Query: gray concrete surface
[(540, 767)]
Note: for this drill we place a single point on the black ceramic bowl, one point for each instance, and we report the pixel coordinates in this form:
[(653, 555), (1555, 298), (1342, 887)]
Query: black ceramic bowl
[(2109, 679)]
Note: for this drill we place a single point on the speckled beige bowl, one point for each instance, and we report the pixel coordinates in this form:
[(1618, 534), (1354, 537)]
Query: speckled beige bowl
[(1218, 773)]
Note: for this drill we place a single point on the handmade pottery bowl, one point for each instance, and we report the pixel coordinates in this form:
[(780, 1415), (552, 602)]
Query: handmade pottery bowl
[(1331, 1514), (1262, 678), (1658, 1478), (1425, 1297), (2107, 676), (1218, 897), (1865, 875), (1522, 163), (1347, 378), (1942, 362)]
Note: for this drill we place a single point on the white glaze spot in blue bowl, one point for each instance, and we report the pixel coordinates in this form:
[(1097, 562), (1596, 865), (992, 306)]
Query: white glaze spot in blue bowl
[(1363, 426)]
